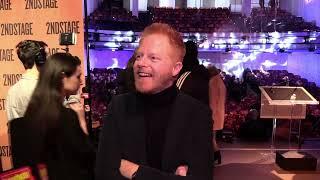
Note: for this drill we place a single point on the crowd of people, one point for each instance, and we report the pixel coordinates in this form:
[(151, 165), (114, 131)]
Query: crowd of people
[(103, 87), (190, 20), (267, 19), (115, 19)]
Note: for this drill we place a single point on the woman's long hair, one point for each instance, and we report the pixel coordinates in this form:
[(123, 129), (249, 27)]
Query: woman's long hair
[(44, 107)]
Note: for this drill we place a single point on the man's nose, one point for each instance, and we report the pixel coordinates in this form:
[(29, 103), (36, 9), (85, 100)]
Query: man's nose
[(142, 62)]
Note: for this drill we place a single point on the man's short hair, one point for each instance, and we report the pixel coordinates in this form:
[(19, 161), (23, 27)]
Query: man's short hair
[(28, 51), (173, 36)]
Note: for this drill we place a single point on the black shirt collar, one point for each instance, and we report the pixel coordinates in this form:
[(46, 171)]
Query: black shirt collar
[(165, 97)]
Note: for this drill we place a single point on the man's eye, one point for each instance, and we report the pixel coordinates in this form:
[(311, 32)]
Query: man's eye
[(153, 58)]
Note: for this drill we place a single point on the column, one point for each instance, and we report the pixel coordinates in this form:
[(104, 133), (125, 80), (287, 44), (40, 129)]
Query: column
[(153, 3), (246, 7), (134, 6), (208, 3), (180, 3), (126, 5)]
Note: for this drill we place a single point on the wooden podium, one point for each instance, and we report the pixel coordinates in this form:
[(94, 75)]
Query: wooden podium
[(284, 102)]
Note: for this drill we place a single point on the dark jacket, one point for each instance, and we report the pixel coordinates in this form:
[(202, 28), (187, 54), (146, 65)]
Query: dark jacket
[(188, 140), (65, 149), (197, 84)]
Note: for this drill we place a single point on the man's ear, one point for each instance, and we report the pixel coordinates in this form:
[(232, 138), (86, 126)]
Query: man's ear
[(176, 69)]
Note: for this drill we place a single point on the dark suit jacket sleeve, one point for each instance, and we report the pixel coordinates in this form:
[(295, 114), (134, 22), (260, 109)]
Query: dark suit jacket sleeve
[(200, 153), (108, 155)]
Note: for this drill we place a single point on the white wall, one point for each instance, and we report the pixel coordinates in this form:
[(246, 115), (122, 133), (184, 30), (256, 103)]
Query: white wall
[(167, 3), (194, 3), (143, 5), (222, 3)]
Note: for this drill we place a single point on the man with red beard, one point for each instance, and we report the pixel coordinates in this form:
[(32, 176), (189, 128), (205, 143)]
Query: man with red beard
[(158, 132)]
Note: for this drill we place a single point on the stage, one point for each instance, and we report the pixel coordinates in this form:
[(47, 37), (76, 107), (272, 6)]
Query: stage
[(253, 161)]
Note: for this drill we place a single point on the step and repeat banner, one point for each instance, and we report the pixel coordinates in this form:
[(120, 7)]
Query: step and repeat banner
[(35, 20)]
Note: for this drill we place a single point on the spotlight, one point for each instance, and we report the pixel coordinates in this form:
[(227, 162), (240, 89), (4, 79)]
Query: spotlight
[(228, 49), (134, 38), (282, 50), (312, 48), (92, 46), (306, 39), (96, 37), (193, 38)]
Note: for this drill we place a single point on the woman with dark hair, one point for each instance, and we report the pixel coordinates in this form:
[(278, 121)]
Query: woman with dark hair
[(57, 136)]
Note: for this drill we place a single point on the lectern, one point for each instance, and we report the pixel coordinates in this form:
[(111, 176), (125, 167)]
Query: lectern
[(284, 102)]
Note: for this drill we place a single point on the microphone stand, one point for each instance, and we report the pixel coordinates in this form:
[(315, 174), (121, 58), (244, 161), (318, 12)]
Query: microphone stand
[(88, 80), (66, 49)]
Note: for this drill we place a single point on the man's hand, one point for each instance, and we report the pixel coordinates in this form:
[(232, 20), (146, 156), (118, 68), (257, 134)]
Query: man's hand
[(182, 171), (127, 168)]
